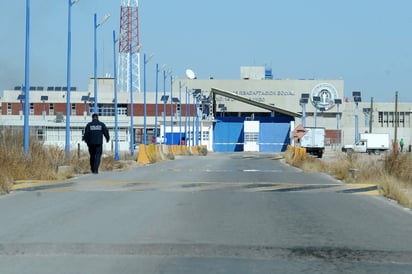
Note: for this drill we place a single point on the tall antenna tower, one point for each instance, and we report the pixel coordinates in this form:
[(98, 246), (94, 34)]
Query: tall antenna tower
[(129, 39)]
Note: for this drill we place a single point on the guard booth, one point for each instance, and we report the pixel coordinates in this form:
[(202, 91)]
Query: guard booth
[(260, 134), (251, 132)]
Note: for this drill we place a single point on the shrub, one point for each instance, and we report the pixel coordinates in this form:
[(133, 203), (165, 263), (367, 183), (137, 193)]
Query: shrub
[(390, 172), (170, 156), (42, 162), (202, 150)]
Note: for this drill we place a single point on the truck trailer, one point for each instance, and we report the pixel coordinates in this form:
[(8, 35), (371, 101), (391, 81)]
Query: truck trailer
[(369, 143), (314, 141)]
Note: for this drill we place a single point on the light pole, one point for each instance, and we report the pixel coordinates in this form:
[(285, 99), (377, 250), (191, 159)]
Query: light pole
[(171, 109), (303, 101), (337, 103), (174, 101), (96, 25), (145, 61), (356, 98), (197, 121), (180, 112), (44, 98), (164, 107), (116, 112), (191, 128), (69, 52), (131, 102), (27, 83), (187, 121), (157, 92), (316, 100), (85, 99), (165, 98), (196, 93)]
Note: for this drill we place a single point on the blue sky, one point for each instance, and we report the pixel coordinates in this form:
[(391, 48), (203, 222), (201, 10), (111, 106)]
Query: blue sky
[(367, 43)]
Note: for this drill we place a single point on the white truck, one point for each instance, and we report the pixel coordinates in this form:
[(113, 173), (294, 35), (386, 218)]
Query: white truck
[(369, 143), (314, 141)]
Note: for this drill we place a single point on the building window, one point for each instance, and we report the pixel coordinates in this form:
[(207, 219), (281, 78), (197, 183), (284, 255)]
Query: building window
[(391, 119), (407, 121), (9, 109), (73, 109), (401, 119), (205, 135), (252, 137), (40, 134), (385, 119), (380, 118), (106, 110), (31, 109), (51, 109), (388, 119), (122, 110)]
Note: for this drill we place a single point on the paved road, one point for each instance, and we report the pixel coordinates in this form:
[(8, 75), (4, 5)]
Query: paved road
[(224, 213)]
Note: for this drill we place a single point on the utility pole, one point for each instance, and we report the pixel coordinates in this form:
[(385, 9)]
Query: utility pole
[(395, 144), (371, 116)]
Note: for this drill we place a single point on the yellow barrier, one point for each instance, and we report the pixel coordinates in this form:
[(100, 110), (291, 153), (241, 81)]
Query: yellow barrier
[(185, 150), (195, 150), (299, 153), (159, 152), (142, 158), (152, 153)]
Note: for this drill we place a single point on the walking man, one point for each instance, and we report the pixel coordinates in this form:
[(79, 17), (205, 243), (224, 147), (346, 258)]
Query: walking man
[(93, 136)]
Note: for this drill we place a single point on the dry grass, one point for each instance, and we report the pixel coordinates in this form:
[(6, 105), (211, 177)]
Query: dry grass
[(43, 161), (390, 171)]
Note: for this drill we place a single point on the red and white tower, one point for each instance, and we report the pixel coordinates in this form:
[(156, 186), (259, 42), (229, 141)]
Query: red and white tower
[(129, 66)]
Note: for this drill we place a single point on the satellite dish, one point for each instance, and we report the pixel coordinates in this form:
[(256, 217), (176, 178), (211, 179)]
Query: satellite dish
[(190, 74)]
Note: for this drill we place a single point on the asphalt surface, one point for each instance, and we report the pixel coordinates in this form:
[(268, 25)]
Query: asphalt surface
[(223, 213)]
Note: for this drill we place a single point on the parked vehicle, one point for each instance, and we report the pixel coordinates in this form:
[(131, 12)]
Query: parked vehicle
[(369, 143), (314, 141)]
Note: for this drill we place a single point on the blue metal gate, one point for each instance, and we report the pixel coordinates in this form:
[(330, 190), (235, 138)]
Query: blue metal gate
[(274, 137), (228, 134)]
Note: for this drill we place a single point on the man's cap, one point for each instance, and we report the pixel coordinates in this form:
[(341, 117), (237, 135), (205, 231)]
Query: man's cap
[(95, 115)]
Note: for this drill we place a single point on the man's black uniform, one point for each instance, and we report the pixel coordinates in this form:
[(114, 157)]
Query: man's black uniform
[(93, 136)]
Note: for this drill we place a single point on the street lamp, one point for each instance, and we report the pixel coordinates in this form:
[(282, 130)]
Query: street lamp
[(187, 118), (164, 99), (145, 61), (131, 101), (171, 109), (337, 103), (173, 101), (21, 97), (116, 112), (196, 93), (303, 101), (44, 98), (157, 91), (356, 98), (26, 83), (69, 42), (179, 112), (96, 25), (316, 100), (85, 99)]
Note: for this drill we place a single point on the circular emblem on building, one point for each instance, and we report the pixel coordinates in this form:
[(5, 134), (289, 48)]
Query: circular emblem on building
[(323, 96)]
